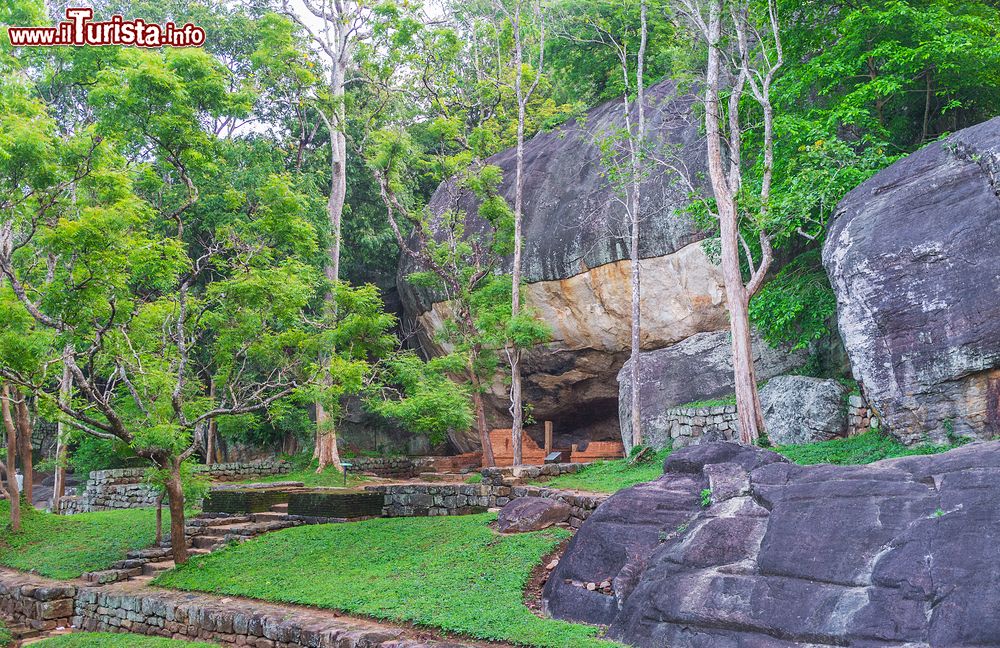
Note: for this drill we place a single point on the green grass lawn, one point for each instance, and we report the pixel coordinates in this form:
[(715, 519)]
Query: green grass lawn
[(451, 573), (611, 476), (66, 546), (110, 640), (6, 638), (862, 449)]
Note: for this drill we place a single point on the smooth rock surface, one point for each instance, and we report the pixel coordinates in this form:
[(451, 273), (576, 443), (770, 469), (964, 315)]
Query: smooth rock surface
[(699, 368), (913, 255), (800, 409), (525, 514), (897, 553), (577, 272)]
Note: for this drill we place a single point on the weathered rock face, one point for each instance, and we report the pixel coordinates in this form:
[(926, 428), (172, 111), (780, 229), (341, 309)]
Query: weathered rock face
[(799, 409), (897, 553), (575, 263), (525, 514), (699, 368), (914, 258)]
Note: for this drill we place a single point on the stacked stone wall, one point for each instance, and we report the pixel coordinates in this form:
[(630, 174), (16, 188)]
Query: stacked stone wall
[(123, 488)]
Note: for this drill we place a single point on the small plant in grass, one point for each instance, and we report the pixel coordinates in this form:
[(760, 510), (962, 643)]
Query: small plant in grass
[(706, 497), (474, 478), (939, 513)]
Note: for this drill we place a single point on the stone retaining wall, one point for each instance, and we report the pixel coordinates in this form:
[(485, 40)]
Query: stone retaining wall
[(389, 467), (499, 487), (860, 417), (123, 488), (45, 604), (684, 426), (35, 602)]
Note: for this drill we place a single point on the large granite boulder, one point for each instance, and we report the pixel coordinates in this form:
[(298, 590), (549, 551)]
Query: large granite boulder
[(914, 258), (577, 270), (616, 542), (897, 553), (524, 514), (699, 368), (800, 409)]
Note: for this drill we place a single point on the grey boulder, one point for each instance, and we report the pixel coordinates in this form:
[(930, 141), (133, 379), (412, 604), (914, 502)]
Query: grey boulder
[(699, 368), (913, 255), (800, 409), (525, 514)]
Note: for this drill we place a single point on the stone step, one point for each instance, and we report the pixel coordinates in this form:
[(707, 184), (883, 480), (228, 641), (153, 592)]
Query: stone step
[(280, 508), (272, 516), (217, 521), (22, 632), (223, 531), (207, 542), (152, 569)]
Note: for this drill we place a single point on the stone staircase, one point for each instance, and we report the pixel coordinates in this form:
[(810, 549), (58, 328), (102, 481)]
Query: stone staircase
[(204, 534)]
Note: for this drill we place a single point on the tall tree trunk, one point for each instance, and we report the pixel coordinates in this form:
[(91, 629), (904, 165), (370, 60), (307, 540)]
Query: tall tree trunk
[(24, 434), (489, 459), (213, 428), (65, 392), (636, 146), (326, 440), (747, 399), (516, 404), (12, 490), (175, 497), (159, 519)]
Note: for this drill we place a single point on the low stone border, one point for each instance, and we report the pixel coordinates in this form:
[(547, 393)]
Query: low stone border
[(35, 602), (45, 604), (389, 467), (499, 487)]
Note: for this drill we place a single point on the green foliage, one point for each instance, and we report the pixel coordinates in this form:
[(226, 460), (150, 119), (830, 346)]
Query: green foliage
[(475, 478), (705, 497), (610, 476), (451, 573), (422, 396), (66, 546), (6, 636), (797, 305), (92, 454), (194, 485), (116, 640)]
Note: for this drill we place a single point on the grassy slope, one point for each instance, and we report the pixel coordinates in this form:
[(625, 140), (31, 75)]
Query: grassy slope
[(67, 546), (610, 476), (452, 573), (108, 640), (862, 449)]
